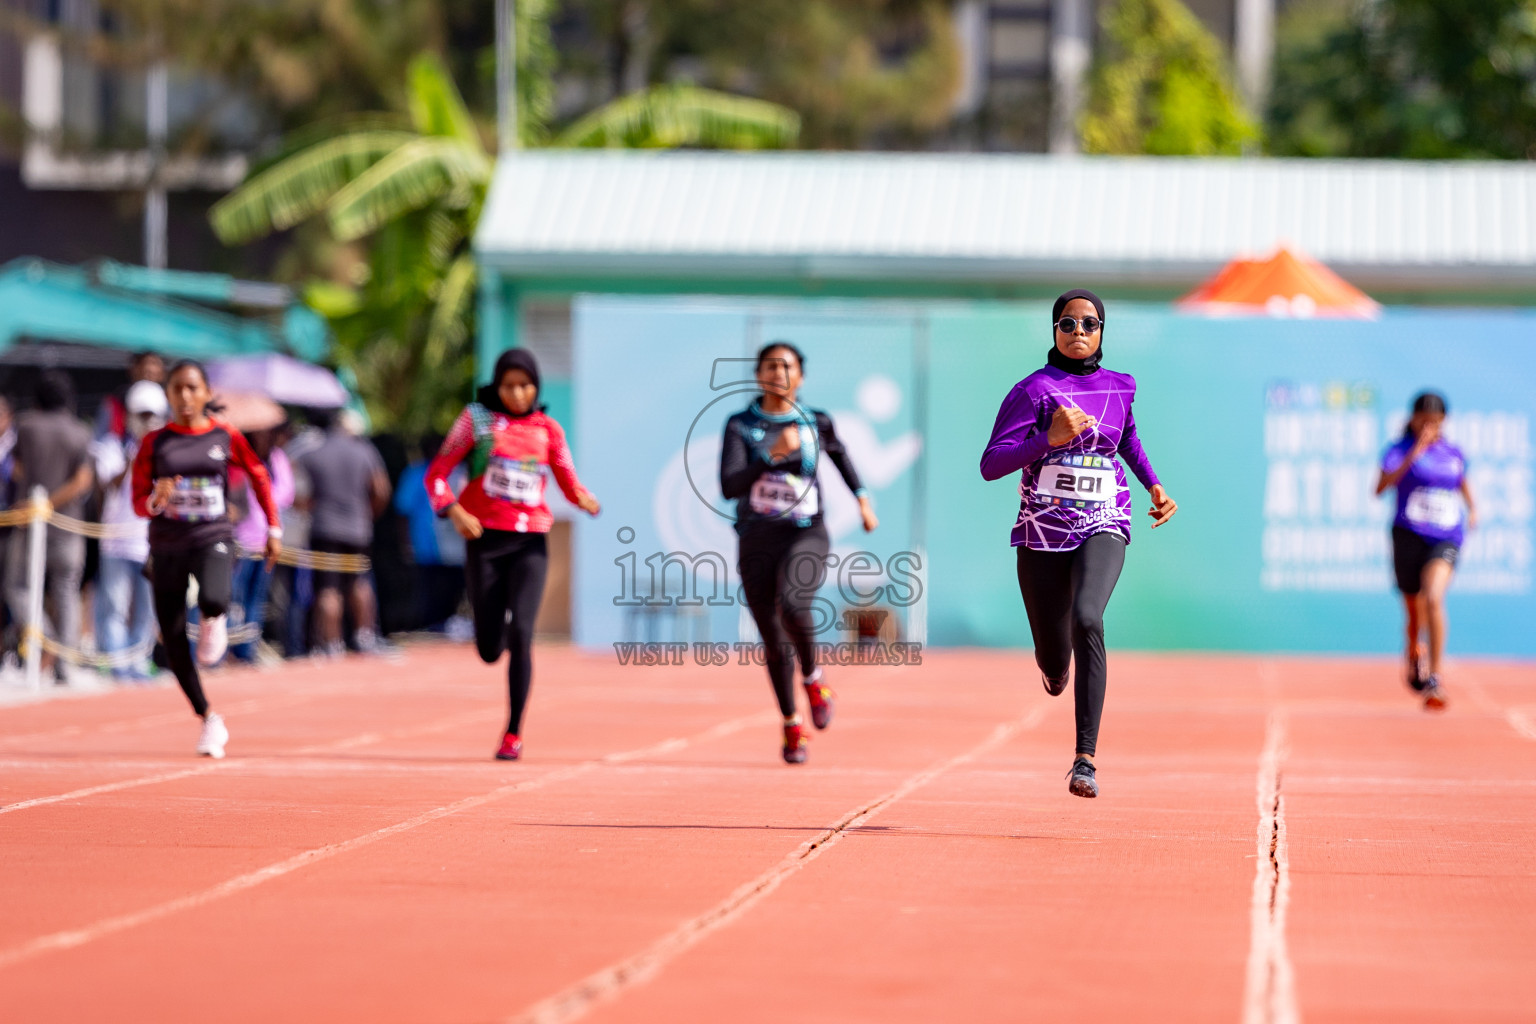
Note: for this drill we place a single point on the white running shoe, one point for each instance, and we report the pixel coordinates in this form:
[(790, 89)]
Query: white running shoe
[(212, 640), (215, 735)]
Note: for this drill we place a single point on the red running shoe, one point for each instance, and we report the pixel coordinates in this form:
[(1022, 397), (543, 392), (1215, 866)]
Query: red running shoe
[(511, 748), (797, 744), (822, 698)]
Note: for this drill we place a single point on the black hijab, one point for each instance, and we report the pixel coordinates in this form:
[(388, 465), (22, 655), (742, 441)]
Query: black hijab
[(512, 359), (1065, 362)]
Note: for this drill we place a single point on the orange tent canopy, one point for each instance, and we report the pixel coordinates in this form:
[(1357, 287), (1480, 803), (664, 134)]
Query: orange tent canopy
[(1283, 285)]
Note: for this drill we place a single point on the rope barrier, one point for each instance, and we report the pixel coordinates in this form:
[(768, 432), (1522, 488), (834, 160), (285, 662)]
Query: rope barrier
[(126, 658), (299, 558), (40, 510)]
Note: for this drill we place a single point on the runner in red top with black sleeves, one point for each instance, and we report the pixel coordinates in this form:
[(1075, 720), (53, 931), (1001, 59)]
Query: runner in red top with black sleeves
[(181, 484), (512, 448)]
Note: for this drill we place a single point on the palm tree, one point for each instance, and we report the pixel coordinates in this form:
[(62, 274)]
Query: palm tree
[(415, 188)]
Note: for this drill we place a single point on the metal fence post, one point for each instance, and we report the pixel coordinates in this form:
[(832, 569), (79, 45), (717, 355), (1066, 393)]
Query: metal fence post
[(37, 539)]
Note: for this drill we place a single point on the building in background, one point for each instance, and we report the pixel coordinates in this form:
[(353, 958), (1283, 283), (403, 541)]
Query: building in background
[(1027, 61), (87, 173)]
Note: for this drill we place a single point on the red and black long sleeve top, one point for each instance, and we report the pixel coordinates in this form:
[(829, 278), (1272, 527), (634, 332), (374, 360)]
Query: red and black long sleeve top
[(198, 460)]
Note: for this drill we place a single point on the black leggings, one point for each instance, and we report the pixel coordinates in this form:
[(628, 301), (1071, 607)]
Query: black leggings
[(782, 566), (213, 567), (504, 572), (1065, 593)]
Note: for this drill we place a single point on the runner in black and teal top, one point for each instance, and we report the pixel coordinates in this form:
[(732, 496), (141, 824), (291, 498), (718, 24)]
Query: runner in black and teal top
[(768, 463), (1430, 475)]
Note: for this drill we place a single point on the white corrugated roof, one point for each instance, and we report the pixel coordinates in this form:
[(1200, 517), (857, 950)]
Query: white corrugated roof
[(985, 217)]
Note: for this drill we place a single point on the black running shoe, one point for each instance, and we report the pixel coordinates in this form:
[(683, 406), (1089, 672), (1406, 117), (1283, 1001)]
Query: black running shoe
[(1434, 697), (1082, 782), (1054, 686), (1418, 679)]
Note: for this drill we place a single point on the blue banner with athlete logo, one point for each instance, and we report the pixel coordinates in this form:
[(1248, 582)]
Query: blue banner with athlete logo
[(1268, 432)]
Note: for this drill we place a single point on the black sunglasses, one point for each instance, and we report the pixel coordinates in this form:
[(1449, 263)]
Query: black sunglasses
[(1068, 324)]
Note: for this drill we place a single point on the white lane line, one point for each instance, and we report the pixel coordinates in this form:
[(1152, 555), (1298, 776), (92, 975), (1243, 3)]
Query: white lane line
[(205, 767), (110, 926), (1269, 995), (612, 981), (1521, 722), (182, 716)]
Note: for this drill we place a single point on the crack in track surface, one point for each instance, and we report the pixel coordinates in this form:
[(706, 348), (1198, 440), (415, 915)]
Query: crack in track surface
[(1270, 993)]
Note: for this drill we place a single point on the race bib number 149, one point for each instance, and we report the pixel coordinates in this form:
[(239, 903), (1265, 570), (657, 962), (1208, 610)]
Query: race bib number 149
[(777, 494)]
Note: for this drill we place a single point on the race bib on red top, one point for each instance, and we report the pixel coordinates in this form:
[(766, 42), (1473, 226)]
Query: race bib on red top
[(196, 499), (779, 494), (1076, 481), (521, 483)]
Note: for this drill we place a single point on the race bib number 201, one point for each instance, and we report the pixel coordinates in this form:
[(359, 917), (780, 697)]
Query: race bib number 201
[(1077, 481)]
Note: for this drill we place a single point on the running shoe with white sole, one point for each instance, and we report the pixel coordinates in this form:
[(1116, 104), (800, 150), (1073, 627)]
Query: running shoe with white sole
[(215, 735), (212, 640), (511, 748), (1434, 697), (1081, 781)]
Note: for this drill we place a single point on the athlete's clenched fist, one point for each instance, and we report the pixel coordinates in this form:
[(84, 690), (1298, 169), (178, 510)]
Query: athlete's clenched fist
[(1066, 423)]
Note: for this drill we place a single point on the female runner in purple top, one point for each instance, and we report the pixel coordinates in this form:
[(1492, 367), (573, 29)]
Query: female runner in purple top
[(1067, 427), (1428, 472)]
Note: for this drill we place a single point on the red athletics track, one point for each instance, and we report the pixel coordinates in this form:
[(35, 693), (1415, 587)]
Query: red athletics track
[(1278, 839)]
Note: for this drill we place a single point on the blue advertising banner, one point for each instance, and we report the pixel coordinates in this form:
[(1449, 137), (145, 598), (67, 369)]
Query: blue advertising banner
[(1268, 432)]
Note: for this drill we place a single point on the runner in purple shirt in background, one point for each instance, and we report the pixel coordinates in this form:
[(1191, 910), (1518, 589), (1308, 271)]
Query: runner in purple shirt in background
[(1430, 475), (1067, 427)]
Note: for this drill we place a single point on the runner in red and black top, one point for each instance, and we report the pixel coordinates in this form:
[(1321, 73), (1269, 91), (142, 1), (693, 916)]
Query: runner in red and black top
[(512, 446), (181, 484)]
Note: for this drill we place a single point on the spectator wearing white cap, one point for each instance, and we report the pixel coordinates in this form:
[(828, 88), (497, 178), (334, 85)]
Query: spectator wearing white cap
[(125, 606)]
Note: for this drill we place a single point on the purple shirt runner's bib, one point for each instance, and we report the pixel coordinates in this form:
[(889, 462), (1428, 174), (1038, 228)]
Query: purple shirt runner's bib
[(1068, 493), (1428, 496)]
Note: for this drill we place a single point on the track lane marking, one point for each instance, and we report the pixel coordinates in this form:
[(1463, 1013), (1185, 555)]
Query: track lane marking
[(347, 743), (1269, 995), (76, 937), (609, 983)]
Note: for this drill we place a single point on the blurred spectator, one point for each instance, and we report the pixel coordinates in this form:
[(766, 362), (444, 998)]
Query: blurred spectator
[(112, 417), (347, 489), (292, 588), (52, 451), (125, 607), (252, 579), (7, 499), (436, 549), (7, 451)]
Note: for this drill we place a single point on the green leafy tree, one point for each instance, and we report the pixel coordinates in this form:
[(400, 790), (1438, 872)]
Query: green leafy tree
[(667, 116), (1428, 79), (409, 191), (1161, 86)]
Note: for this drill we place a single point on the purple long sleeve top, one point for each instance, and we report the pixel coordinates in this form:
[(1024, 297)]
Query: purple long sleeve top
[(1070, 492)]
